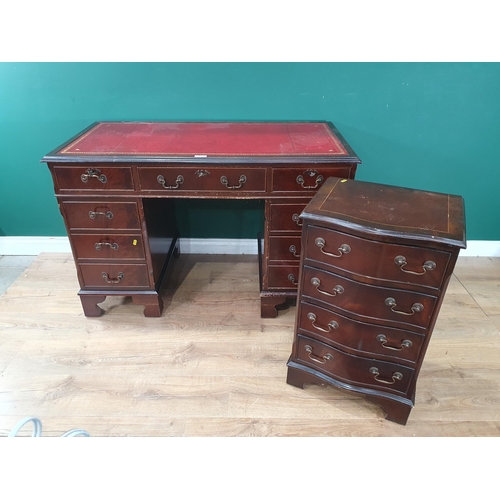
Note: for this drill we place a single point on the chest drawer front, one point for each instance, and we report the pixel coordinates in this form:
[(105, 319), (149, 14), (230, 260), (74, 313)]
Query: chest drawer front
[(390, 262), (285, 217), (365, 338), (114, 276), (179, 179), (98, 178), (101, 215), (354, 369), (284, 248), (374, 302), (306, 179), (103, 247)]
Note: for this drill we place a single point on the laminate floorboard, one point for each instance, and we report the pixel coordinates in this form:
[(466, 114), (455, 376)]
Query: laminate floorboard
[(211, 366)]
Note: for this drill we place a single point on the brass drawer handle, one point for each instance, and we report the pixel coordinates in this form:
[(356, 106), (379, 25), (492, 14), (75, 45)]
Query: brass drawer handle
[(428, 265), (331, 326), (293, 251), (109, 280), (241, 181), (310, 173), (108, 215), (178, 182), (415, 308), (317, 359), (93, 172), (113, 246), (337, 289), (291, 277), (383, 340), (296, 219), (395, 376), (320, 242)]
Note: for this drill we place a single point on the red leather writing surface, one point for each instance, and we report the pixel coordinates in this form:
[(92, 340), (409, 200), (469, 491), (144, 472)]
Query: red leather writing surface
[(211, 139)]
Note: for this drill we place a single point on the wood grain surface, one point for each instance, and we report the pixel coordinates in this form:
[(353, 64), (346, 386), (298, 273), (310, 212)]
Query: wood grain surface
[(211, 366)]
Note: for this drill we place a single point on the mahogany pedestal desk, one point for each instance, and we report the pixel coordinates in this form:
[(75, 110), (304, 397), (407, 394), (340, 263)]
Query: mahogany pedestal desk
[(376, 262), (116, 184)]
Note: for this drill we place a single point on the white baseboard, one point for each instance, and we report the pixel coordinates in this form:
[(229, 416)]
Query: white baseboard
[(478, 248), (218, 246), (33, 245)]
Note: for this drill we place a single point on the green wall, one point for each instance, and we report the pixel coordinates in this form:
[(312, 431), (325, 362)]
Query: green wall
[(432, 126)]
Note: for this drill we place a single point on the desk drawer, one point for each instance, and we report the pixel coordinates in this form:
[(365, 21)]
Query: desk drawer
[(101, 215), (284, 248), (283, 276), (100, 178), (114, 276), (374, 302), (354, 369), (385, 261), (306, 179), (103, 247), (226, 180), (285, 217)]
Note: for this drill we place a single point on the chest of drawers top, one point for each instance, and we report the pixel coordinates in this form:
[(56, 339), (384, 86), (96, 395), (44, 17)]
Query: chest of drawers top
[(389, 213), (206, 142)]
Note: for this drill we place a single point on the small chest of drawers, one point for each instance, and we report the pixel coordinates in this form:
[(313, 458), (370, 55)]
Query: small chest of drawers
[(375, 264)]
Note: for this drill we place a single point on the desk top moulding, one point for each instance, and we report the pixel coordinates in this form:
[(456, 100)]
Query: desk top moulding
[(116, 185)]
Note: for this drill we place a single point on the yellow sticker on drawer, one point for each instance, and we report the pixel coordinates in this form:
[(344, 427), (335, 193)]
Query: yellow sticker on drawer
[(134, 242)]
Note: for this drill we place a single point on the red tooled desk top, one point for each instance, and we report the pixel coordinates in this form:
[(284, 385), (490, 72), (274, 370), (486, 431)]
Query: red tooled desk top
[(207, 139)]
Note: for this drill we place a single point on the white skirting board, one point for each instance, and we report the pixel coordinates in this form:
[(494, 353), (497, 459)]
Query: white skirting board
[(33, 245)]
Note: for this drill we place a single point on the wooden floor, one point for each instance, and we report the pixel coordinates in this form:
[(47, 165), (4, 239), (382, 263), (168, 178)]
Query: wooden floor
[(210, 366)]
